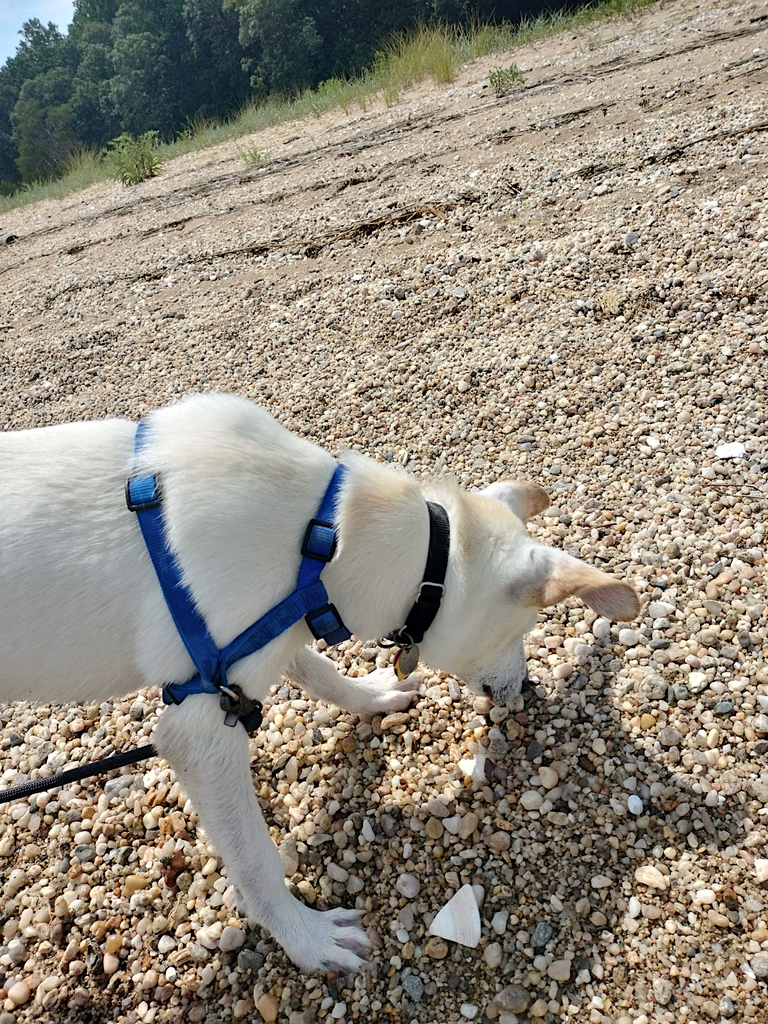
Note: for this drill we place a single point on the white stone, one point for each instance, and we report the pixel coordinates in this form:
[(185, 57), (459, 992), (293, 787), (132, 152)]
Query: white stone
[(730, 450), (705, 896), (549, 777), (601, 629), (660, 609), (531, 800), (628, 637), (651, 876), (600, 881), (500, 918), (468, 1010), (635, 804), (231, 938), (408, 886)]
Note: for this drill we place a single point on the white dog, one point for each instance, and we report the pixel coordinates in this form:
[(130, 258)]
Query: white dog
[(82, 616)]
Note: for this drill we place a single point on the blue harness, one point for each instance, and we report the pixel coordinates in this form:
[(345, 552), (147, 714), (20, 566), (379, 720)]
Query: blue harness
[(309, 600)]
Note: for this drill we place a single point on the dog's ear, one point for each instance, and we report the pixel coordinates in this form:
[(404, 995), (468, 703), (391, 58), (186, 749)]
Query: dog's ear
[(559, 576), (525, 500)]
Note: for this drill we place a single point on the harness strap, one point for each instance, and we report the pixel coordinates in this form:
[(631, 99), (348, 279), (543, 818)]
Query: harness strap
[(309, 600)]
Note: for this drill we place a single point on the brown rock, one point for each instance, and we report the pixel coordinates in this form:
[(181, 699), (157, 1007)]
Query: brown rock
[(437, 948)]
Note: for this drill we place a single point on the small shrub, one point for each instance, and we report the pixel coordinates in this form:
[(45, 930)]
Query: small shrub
[(504, 80), (252, 155), (135, 159)]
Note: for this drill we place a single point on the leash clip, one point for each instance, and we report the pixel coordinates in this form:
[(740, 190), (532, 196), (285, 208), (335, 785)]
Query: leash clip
[(239, 708)]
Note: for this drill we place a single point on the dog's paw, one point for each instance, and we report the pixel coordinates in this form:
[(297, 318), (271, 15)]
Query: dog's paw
[(381, 692), (329, 940)]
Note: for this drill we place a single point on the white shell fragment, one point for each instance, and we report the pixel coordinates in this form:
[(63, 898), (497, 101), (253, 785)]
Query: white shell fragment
[(731, 450), (459, 920), (474, 767), (761, 869)]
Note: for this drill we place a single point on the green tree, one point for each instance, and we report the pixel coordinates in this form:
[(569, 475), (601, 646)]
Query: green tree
[(141, 91), (44, 137), (286, 32)]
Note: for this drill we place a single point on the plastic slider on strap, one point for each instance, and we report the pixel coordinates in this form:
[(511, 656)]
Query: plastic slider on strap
[(319, 541), (325, 624), (143, 493)]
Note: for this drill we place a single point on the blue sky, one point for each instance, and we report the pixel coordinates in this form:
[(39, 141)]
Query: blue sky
[(14, 14)]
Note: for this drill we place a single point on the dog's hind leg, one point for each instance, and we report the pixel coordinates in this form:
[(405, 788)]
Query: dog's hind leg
[(211, 760), (378, 693)]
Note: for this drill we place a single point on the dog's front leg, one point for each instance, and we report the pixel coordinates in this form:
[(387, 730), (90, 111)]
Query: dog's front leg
[(378, 693), (211, 760)]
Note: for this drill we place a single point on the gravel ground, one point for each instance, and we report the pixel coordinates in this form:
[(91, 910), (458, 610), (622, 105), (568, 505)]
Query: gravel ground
[(569, 285)]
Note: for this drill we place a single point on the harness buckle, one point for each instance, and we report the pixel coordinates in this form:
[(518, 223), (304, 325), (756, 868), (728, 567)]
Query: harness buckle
[(324, 622), (437, 586), (319, 541), (143, 493)]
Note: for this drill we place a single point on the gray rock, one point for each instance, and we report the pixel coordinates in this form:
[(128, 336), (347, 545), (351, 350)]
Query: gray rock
[(726, 1008), (414, 987), (512, 999), (84, 853), (535, 749), (631, 238), (250, 960), (724, 707), (669, 736), (662, 991), (759, 964), (542, 933)]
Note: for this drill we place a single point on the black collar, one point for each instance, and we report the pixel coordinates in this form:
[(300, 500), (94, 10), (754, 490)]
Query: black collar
[(422, 614)]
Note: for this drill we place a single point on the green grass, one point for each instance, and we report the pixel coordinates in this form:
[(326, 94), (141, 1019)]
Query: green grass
[(428, 53), (252, 155), (504, 80)]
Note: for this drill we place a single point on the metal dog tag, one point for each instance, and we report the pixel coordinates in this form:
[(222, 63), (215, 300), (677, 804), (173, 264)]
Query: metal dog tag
[(406, 660)]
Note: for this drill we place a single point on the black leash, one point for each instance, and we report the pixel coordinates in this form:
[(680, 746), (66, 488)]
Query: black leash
[(84, 771)]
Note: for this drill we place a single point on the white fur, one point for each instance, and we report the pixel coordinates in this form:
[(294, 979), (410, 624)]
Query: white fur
[(82, 616)]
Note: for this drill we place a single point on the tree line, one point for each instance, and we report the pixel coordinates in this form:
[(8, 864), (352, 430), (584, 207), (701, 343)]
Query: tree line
[(128, 66)]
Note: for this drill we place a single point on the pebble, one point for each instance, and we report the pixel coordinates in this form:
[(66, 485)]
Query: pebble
[(267, 1007), (651, 876), (549, 777), (669, 736), (542, 933), (559, 970), (414, 987), (231, 938), (499, 921), (436, 948), (408, 886), (635, 805), (110, 963), (662, 991), (531, 800), (512, 999), (759, 964), (492, 954), (20, 993), (468, 1010)]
